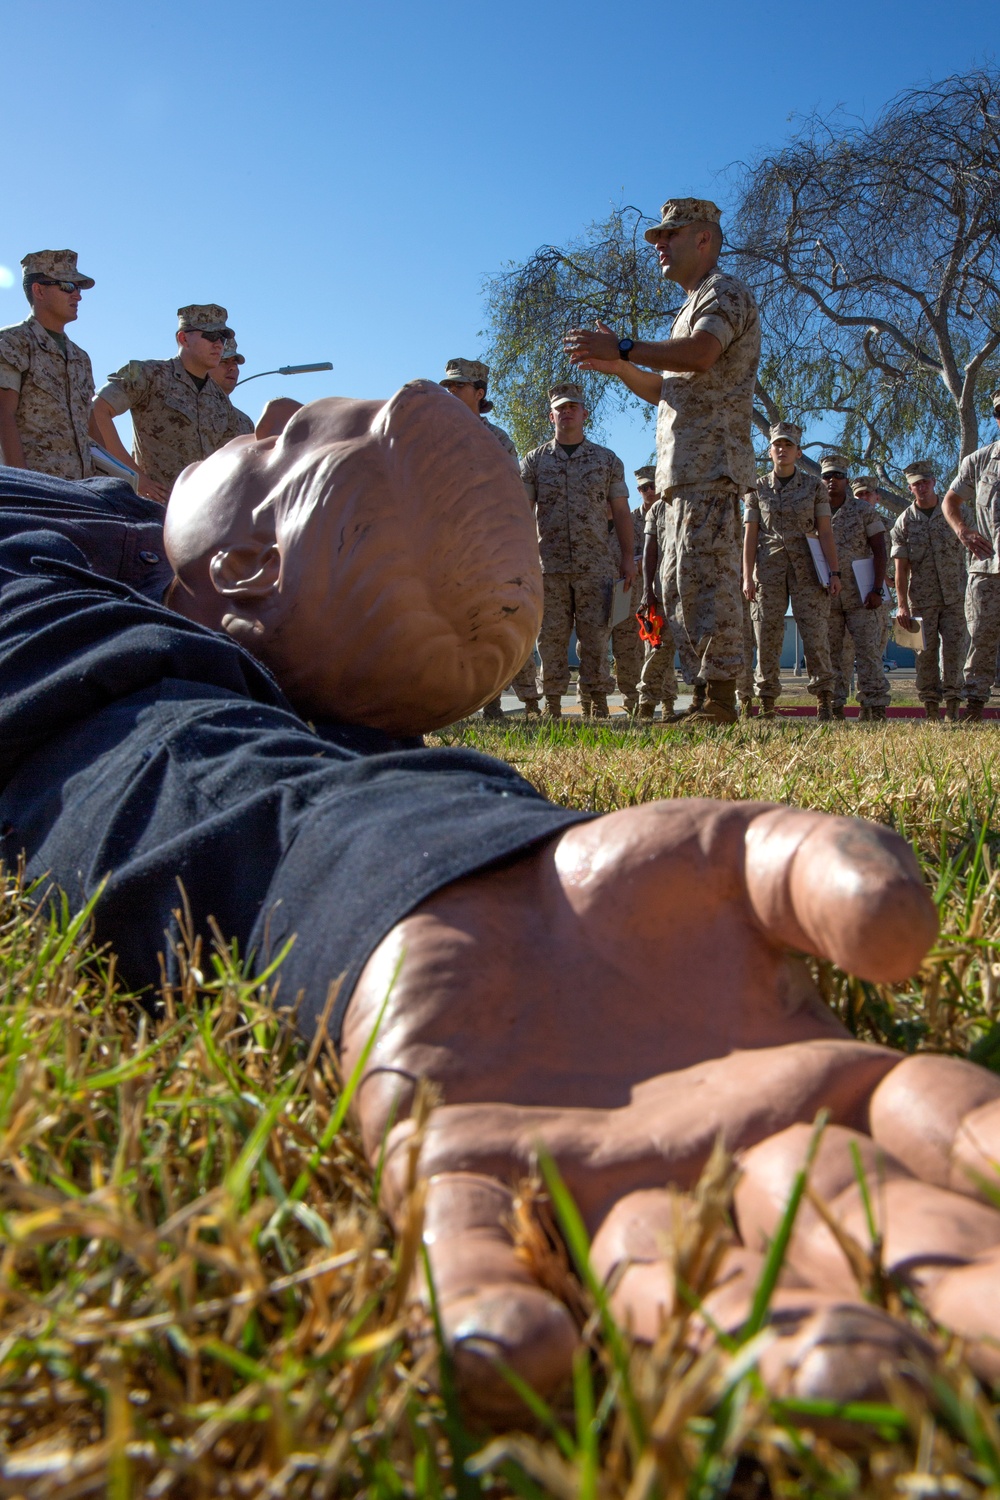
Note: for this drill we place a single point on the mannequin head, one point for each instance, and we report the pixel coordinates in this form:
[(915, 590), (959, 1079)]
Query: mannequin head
[(378, 556)]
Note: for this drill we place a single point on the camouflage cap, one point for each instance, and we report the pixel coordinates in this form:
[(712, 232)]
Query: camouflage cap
[(790, 431), (921, 468), (465, 371), (677, 212), (565, 392), (57, 265), (203, 317), (647, 472), (229, 352), (864, 482), (832, 462)]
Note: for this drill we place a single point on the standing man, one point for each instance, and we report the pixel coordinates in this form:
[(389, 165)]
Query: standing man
[(226, 376), (704, 455), (788, 506), (179, 414), (46, 382), (978, 482), (930, 583), (866, 489), (467, 379), (859, 533), (570, 481)]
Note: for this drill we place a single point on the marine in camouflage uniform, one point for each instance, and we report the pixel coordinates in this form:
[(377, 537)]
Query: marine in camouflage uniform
[(570, 493), (978, 483), (930, 584), (468, 379), (226, 376), (178, 417), (782, 513), (46, 381), (705, 459), (855, 522), (866, 488)]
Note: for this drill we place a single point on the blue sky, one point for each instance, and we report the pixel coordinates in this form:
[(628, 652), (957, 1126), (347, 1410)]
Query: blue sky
[(342, 177)]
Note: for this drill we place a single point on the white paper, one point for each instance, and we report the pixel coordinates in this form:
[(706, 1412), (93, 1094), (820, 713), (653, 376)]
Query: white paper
[(864, 572), (819, 561), (106, 463), (621, 603), (913, 640)]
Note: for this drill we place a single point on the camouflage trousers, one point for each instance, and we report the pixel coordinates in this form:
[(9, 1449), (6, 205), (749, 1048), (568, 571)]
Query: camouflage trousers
[(581, 601), (744, 682), (701, 570), (939, 666), (884, 626), (525, 684), (982, 616), (658, 682), (626, 645), (864, 627), (778, 581)]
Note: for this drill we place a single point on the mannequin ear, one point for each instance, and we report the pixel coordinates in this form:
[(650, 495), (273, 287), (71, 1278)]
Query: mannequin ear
[(246, 572)]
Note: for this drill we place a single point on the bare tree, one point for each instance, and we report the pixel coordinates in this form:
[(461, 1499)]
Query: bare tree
[(874, 253)]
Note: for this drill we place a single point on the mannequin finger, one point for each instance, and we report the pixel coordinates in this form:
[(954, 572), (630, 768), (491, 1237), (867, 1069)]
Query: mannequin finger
[(491, 1307), (922, 1228), (840, 888), (966, 1301), (940, 1116)]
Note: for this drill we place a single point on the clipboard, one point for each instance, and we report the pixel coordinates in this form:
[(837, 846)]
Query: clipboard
[(621, 603), (912, 640), (864, 574), (819, 561)]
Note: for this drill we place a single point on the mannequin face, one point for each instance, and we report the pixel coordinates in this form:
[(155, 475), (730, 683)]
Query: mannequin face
[(379, 557)]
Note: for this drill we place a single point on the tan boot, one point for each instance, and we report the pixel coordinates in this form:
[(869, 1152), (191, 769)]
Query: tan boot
[(745, 705), (532, 708), (974, 711), (698, 697), (493, 709), (932, 709), (720, 704), (647, 711), (952, 707), (824, 708), (667, 707), (599, 707), (767, 708), (839, 712), (553, 708), (875, 714), (631, 705)]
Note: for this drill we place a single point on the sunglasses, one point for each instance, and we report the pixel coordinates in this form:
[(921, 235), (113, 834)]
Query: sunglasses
[(214, 335), (647, 486), (64, 286), (834, 474)]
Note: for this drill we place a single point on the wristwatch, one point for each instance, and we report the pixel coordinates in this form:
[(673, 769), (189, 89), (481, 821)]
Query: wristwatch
[(625, 346), (834, 572)]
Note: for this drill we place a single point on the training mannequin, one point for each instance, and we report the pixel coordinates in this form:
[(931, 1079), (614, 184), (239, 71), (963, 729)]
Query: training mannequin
[(430, 620), (619, 989)]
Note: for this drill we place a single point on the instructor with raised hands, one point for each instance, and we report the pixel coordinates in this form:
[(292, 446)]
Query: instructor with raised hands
[(704, 456)]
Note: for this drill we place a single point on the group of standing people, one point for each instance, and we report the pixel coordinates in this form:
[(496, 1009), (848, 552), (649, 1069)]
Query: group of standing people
[(52, 418), (816, 542), (813, 541)]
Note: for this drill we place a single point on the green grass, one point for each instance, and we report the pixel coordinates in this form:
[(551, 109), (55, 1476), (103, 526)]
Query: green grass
[(200, 1296)]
